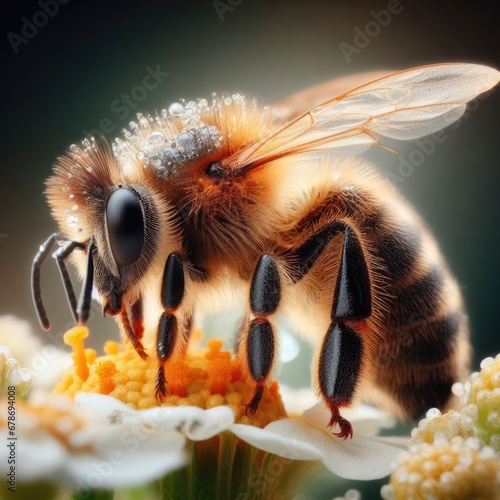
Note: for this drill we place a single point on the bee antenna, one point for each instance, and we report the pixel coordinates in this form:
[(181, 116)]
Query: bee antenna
[(60, 254)]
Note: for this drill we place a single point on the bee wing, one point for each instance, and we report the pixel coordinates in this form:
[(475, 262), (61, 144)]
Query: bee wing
[(405, 105), (299, 103)]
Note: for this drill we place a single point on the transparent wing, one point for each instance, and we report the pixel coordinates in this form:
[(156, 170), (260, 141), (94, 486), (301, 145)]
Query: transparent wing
[(299, 103), (405, 105)]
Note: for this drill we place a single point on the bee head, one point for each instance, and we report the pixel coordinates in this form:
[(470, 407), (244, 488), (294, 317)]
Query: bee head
[(96, 199)]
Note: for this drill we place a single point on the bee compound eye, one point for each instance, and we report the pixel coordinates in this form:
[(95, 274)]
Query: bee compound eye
[(125, 226)]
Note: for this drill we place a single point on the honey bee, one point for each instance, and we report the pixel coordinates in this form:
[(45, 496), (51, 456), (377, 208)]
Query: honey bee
[(220, 203)]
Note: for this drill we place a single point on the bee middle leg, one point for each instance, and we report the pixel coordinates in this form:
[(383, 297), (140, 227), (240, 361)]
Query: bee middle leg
[(340, 356), (257, 343), (172, 292)]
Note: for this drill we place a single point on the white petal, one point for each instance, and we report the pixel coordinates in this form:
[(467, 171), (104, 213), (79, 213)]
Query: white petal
[(121, 455), (195, 423), (107, 408), (365, 420), (282, 444), (126, 457), (35, 456), (359, 458)]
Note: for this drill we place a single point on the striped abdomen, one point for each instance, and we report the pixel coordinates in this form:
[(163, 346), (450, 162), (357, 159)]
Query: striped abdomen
[(425, 347), (415, 344)]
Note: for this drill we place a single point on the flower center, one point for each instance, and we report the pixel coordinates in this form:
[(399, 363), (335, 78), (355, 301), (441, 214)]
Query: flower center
[(203, 378)]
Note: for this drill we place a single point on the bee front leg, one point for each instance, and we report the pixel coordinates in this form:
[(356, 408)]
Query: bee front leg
[(257, 344), (341, 353), (172, 292)]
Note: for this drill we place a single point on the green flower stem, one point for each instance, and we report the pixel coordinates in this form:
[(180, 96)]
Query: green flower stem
[(225, 468), (94, 495)]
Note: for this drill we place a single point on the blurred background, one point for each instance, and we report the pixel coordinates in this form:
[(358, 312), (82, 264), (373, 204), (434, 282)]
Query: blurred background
[(82, 69)]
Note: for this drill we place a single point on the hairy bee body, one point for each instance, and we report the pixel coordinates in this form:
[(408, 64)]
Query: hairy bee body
[(417, 336), (211, 205)]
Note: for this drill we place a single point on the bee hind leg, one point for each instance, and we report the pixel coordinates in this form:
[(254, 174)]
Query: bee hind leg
[(172, 292), (340, 357), (257, 344)]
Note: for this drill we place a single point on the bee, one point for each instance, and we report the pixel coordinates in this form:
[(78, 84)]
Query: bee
[(212, 204)]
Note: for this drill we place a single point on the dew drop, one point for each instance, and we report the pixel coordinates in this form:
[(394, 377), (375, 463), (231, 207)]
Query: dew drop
[(186, 140), (176, 109), (157, 138), (72, 220), (433, 412), (155, 161)]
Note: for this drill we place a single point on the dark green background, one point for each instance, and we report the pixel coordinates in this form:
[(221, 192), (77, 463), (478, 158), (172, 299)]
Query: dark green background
[(66, 77)]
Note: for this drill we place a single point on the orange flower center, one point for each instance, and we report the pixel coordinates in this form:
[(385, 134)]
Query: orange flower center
[(203, 378)]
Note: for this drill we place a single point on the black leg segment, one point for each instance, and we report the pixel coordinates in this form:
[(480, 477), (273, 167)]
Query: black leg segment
[(172, 292), (265, 291), (259, 344), (340, 358), (172, 288), (340, 362), (165, 343), (353, 291), (339, 369)]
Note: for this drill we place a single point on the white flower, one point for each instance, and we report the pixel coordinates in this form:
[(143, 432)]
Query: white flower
[(61, 443), (303, 438), (12, 374), (46, 362), (308, 438)]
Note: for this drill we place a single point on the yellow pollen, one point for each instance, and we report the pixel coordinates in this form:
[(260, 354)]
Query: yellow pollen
[(74, 338), (176, 373), (444, 471), (105, 369), (111, 347), (203, 378)]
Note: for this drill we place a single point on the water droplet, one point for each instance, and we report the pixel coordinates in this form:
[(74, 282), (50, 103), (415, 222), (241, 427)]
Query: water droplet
[(176, 109), (227, 101), (186, 140), (155, 161), (74, 207), (72, 220), (433, 412), (157, 138)]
